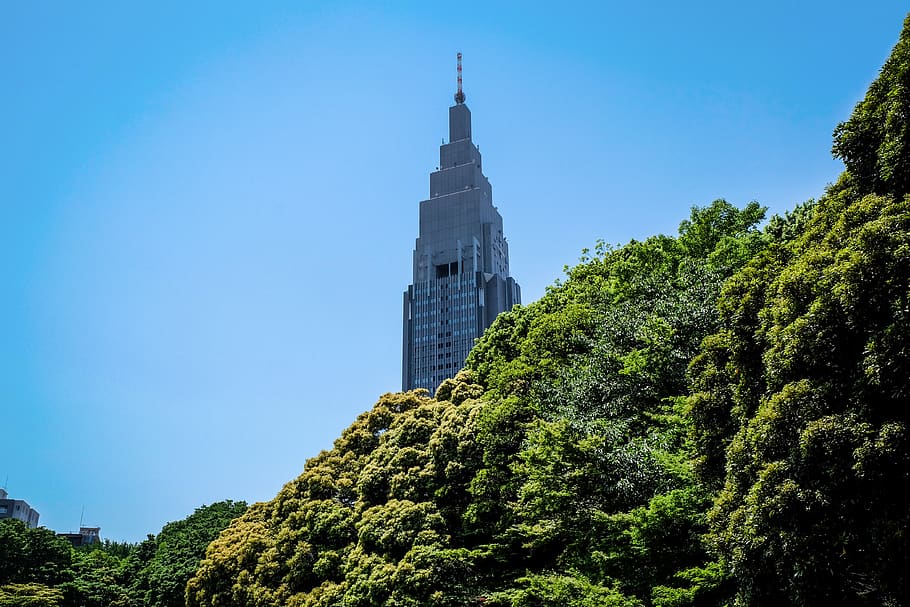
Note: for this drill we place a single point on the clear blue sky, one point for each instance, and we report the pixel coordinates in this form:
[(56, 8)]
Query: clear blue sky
[(207, 209)]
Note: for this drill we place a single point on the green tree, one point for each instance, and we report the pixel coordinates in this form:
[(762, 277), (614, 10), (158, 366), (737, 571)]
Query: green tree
[(800, 402), (560, 590), (178, 549), (875, 142), (97, 580), (32, 555), (575, 460), (30, 595), (373, 521), (813, 365)]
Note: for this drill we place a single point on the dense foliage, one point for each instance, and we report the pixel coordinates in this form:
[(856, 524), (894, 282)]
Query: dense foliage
[(875, 142), (178, 549), (555, 466), (800, 403), (39, 569), (716, 418)]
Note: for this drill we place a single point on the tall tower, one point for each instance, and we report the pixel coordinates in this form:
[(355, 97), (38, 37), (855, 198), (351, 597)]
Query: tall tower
[(461, 262)]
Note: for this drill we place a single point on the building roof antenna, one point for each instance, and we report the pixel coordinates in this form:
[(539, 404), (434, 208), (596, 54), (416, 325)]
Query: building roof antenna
[(459, 96)]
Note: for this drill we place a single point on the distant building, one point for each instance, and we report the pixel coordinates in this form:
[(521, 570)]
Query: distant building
[(461, 262), (17, 509), (86, 536)]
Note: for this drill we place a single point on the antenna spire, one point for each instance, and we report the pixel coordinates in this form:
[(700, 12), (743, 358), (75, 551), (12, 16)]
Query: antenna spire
[(459, 96)]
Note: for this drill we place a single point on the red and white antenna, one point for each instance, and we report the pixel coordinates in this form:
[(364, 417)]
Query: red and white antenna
[(459, 96)]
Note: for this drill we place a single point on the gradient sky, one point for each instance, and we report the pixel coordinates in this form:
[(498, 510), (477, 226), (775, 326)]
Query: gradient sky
[(207, 209)]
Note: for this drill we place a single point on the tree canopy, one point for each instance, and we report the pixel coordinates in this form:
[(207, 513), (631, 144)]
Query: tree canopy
[(875, 142)]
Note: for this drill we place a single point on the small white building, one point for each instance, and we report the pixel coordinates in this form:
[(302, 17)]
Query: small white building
[(17, 509)]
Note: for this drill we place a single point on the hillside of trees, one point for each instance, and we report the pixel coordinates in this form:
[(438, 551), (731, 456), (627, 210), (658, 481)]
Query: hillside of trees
[(715, 418)]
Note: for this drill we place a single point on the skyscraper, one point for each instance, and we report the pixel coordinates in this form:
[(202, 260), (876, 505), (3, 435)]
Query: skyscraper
[(461, 276)]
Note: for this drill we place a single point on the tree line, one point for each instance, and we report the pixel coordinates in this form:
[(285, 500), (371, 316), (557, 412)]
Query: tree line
[(40, 569)]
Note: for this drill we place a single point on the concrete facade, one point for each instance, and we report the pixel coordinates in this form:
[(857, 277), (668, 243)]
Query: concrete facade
[(461, 278), (17, 509)]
